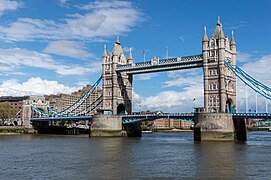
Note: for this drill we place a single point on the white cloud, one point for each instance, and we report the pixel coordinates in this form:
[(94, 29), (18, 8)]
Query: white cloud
[(184, 72), (182, 38), (102, 19), (106, 5), (174, 101), (260, 70), (14, 58), (8, 5), (171, 101), (196, 81), (127, 49), (33, 86), (243, 57), (62, 2), (236, 25), (67, 48), (145, 76), (78, 70)]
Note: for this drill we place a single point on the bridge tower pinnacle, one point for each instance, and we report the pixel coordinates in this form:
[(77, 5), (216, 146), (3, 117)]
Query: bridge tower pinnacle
[(219, 81), (117, 87)]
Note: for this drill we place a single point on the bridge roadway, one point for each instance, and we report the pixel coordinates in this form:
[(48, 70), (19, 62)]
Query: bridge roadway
[(127, 119), (169, 64), (67, 118), (252, 115)]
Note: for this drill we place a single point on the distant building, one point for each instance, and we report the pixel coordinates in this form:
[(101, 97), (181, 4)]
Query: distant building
[(171, 123), (15, 102), (60, 102), (19, 102)]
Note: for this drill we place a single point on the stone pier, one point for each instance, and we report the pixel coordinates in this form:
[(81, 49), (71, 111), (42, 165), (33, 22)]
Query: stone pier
[(213, 127), (106, 125), (133, 130)]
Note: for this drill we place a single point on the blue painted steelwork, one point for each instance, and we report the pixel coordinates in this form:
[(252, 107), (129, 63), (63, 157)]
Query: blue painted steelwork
[(250, 81), (81, 100), (170, 64), (95, 104), (73, 118), (127, 119), (73, 107), (252, 115), (37, 110)]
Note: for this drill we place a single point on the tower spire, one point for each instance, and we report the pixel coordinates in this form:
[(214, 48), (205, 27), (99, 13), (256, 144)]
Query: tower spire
[(232, 38), (218, 34), (105, 54), (130, 58), (218, 21), (205, 37), (118, 40)]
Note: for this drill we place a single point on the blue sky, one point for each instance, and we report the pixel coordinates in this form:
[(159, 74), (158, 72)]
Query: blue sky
[(56, 46)]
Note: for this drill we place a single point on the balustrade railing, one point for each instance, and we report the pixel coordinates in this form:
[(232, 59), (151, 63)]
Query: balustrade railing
[(160, 62)]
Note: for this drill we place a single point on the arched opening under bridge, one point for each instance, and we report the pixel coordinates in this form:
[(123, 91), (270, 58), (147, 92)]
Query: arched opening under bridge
[(121, 109), (230, 107)]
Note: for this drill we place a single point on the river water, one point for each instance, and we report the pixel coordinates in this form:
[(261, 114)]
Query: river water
[(154, 156)]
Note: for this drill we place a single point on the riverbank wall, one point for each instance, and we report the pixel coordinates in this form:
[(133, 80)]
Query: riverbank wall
[(5, 130)]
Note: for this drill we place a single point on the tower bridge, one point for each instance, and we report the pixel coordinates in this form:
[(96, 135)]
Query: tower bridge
[(213, 122)]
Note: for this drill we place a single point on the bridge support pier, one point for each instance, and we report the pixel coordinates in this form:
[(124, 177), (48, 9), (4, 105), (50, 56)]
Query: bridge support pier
[(104, 125), (133, 130), (213, 127), (240, 129)]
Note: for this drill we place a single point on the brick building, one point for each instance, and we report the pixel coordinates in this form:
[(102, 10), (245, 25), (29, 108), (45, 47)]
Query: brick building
[(61, 101)]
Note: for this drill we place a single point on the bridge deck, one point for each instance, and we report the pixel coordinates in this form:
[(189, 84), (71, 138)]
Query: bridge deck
[(126, 119), (252, 115), (72, 118)]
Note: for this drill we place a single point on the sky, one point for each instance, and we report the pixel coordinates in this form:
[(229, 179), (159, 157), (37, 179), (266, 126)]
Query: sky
[(56, 46)]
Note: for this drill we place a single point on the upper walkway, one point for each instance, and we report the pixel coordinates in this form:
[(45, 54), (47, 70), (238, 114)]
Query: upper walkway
[(170, 64)]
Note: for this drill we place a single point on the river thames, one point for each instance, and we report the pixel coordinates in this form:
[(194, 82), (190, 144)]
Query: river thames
[(154, 156)]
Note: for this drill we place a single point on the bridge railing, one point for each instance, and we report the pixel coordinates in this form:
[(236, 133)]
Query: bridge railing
[(176, 60), (252, 115)]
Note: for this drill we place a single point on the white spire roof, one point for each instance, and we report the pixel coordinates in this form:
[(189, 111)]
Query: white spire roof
[(117, 50), (205, 37), (218, 30)]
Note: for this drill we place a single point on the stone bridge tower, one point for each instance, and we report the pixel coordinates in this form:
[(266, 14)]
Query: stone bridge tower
[(37, 101), (117, 87), (219, 81)]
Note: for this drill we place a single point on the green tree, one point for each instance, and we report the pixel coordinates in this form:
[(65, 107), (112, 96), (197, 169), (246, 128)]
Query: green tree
[(6, 112)]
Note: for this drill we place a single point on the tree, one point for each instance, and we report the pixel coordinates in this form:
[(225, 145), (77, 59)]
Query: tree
[(6, 112)]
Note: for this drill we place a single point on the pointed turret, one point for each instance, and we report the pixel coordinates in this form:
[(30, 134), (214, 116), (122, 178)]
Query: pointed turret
[(233, 45), (221, 32), (104, 57), (130, 58), (105, 53), (232, 39), (218, 30), (218, 21), (117, 50), (205, 37), (118, 40)]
